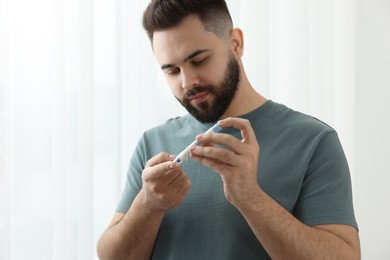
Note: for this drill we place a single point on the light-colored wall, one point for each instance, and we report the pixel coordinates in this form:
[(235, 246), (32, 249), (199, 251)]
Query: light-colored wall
[(372, 130)]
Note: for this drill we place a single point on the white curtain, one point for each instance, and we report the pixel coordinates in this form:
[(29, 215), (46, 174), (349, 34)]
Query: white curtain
[(79, 85)]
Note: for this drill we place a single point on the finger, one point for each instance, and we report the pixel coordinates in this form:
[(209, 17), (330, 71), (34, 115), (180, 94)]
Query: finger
[(166, 171), (247, 133), (215, 154), (183, 189), (174, 171), (179, 182), (159, 158), (212, 163), (227, 140)]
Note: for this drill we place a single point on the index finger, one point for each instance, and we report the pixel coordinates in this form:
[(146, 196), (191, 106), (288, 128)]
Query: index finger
[(247, 133), (159, 158)]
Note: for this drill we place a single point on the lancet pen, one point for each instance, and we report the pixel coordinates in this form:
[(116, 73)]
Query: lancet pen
[(183, 156)]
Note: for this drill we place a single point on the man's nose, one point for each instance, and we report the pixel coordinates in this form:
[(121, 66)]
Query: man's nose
[(190, 79)]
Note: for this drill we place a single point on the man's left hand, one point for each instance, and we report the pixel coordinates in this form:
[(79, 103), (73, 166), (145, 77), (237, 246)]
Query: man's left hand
[(237, 165)]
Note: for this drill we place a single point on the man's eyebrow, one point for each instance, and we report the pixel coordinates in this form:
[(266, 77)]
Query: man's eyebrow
[(192, 55)]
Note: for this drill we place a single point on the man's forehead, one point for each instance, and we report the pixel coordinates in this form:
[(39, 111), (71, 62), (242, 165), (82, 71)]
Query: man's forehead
[(175, 44)]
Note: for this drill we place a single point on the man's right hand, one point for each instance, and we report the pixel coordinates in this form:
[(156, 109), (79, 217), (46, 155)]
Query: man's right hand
[(165, 185), (132, 235)]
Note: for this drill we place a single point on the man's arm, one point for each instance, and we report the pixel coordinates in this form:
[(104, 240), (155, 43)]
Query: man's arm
[(132, 235), (285, 237), (282, 235)]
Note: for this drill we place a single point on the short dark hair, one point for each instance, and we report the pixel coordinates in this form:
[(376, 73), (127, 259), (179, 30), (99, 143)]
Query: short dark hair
[(165, 14)]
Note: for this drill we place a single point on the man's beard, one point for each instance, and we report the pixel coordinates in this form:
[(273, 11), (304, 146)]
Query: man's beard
[(223, 95)]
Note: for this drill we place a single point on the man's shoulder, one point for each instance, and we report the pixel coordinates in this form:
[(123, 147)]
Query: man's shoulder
[(170, 124), (300, 120), (171, 128), (282, 120)]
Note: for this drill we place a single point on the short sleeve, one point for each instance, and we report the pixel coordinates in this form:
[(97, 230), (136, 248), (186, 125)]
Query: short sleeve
[(134, 178), (326, 194)]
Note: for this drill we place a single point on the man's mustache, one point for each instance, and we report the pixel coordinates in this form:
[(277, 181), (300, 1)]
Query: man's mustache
[(198, 89)]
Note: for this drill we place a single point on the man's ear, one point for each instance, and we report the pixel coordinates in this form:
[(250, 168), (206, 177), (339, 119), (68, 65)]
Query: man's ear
[(237, 42)]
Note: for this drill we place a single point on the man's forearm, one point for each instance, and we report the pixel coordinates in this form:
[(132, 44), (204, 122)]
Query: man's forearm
[(133, 236), (284, 237)]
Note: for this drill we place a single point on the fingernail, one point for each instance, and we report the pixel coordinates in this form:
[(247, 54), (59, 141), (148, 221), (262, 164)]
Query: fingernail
[(193, 148)]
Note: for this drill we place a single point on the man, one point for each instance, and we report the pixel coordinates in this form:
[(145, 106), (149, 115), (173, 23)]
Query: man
[(273, 184)]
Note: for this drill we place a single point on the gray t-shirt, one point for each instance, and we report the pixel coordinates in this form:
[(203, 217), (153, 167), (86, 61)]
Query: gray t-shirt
[(301, 165)]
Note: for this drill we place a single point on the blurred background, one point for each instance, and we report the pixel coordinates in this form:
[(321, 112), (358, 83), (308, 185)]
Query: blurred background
[(79, 85)]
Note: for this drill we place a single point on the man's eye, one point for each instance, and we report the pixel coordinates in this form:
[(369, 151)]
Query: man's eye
[(199, 62), (173, 71)]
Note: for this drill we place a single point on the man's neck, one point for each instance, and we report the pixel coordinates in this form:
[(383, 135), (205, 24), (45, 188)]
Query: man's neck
[(246, 100)]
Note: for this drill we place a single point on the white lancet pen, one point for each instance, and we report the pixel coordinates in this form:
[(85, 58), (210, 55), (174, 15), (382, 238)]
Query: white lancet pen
[(183, 156)]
